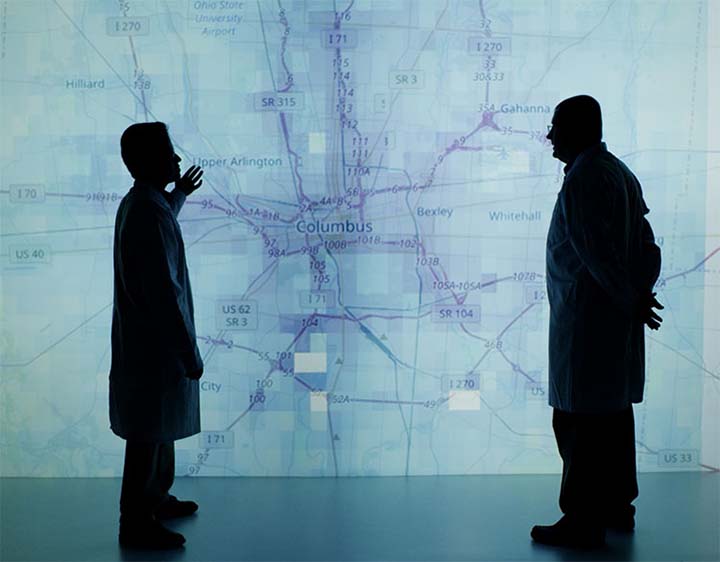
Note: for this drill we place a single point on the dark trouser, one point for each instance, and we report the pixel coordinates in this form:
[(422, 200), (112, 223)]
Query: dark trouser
[(148, 474), (599, 479)]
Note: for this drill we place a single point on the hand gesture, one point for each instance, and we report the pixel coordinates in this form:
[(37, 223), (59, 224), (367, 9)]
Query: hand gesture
[(190, 180), (646, 312)]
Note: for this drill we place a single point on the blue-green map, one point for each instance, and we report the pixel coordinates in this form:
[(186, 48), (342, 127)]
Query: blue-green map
[(367, 251)]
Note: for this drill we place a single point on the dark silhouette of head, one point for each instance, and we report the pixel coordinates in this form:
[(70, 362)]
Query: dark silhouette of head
[(149, 155), (576, 125)]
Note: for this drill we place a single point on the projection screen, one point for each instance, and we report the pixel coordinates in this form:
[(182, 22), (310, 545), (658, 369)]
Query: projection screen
[(367, 251)]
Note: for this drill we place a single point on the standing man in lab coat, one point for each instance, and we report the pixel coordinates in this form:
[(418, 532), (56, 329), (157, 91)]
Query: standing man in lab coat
[(155, 364), (602, 263)]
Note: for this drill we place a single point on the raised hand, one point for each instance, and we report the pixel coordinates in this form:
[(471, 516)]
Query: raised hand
[(646, 312), (190, 180)]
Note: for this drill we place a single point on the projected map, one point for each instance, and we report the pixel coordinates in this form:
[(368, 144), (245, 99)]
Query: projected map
[(367, 251)]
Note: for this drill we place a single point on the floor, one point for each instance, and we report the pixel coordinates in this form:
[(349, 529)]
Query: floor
[(416, 518)]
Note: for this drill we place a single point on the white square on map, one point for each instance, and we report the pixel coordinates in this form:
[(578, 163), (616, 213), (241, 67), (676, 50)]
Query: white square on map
[(310, 362), (316, 143), (318, 342), (464, 400), (318, 402)]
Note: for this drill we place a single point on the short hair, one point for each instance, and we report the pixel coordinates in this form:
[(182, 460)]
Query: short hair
[(140, 145), (581, 118)]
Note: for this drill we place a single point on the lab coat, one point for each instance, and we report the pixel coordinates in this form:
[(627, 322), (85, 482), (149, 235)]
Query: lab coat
[(153, 329), (600, 257)]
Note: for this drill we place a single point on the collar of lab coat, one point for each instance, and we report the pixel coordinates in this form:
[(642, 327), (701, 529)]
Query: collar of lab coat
[(148, 190), (588, 152)]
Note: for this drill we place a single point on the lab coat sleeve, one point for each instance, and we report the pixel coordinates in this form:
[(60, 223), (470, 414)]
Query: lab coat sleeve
[(176, 199), (589, 207), (158, 259)]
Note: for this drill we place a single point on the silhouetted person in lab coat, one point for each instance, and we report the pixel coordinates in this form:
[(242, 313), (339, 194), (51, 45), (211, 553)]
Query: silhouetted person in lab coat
[(602, 263), (155, 364)]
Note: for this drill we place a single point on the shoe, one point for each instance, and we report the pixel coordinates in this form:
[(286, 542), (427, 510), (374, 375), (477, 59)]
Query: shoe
[(567, 533), (173, 508), (149, 535)]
